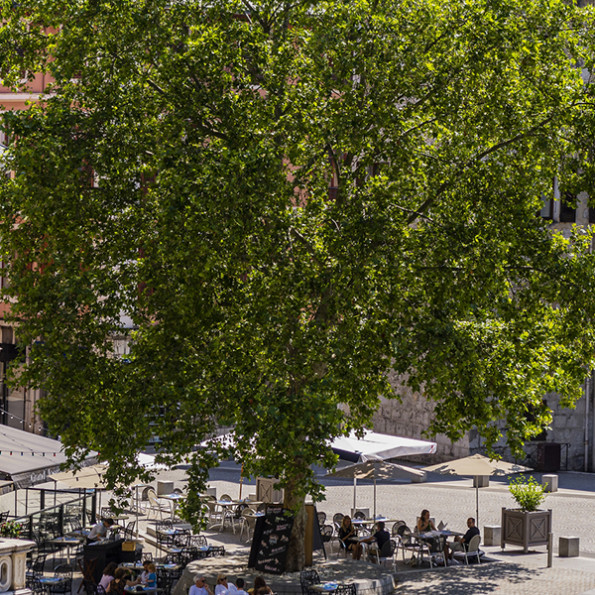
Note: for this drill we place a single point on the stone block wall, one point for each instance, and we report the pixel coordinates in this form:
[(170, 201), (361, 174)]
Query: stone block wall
[(412, 415)]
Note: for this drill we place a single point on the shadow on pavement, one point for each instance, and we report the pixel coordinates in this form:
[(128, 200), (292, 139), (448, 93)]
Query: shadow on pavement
[(464, 580)]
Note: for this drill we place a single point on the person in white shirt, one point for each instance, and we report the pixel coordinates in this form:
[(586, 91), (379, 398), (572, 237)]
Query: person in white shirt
[(240, 584), (200, 586), (99, 531), (222, 587)]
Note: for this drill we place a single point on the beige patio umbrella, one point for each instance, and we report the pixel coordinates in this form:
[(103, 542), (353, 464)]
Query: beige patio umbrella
[(476, 466), (375, 469)]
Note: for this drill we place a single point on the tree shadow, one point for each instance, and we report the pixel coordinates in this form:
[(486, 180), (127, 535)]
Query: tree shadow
[(465, 580)]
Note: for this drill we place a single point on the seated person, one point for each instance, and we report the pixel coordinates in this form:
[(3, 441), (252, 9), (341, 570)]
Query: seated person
[(260, 587), (144, 575), (222, 587), (379, 539), (108, 575), (151, 576), (99, 531), (200, 586), (241, 584), (347, 534), (122, 579), (462, 543), (424, 522)]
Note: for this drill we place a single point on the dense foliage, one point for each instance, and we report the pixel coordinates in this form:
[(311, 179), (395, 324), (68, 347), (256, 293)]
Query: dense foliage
[(287, 200)]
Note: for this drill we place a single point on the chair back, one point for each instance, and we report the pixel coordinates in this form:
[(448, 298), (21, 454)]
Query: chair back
[(326, 532), (225, 498), (404, 533), (309, 577), (395, 529), (473, 544), (321, 516), (152, 497), (388, 549), (338, 518), (360, 515)]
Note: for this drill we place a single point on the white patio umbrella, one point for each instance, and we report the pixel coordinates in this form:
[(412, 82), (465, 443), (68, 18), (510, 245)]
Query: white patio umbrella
[(383, 446), (375, 468), (476, 466)]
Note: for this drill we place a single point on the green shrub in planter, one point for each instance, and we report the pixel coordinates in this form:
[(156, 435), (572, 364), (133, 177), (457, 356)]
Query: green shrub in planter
[(527, 492)]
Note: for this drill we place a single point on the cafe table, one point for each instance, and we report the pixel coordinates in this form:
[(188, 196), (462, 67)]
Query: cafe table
[(227, 513), (67, 542), (140, 589), (328, 587), (167, 536), (435, 540), (367, 524), (136, 566), (174, 498), (52, 581)]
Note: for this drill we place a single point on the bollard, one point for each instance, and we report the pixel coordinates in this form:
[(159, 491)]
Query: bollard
[(550, 549)]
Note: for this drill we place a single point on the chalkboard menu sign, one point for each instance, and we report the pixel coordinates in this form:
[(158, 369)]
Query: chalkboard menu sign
[(270, 541)]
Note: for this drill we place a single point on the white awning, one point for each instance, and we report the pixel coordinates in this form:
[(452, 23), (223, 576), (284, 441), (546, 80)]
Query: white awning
[(28, 458), (375, 445)]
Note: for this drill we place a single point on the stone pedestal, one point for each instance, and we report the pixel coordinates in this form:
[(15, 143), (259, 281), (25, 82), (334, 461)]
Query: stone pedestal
[(492, 534), (568, 547), (550, 483), (13, 564), (164, 487), (481, 481)]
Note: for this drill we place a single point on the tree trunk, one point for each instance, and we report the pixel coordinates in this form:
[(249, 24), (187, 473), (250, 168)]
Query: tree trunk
[(296, 554)]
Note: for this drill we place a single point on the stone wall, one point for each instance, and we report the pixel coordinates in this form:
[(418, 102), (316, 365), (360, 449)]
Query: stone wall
[(411, 416)]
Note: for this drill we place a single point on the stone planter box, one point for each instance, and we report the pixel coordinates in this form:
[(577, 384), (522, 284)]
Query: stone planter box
[(526, 529)]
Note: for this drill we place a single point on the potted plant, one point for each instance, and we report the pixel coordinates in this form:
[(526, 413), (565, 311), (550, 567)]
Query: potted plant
[(526, 525), (11, 529)]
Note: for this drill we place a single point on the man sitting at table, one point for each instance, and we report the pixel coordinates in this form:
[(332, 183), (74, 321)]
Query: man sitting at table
[(99, 531), (200, 586), (379, 538), (462, 543)]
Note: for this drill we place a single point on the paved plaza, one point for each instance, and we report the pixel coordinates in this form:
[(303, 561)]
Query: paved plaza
[(508, 572)]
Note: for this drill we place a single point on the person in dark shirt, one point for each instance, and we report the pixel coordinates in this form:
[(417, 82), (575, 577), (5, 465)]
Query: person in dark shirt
[(379, 539), (462, 543), (348, 535)]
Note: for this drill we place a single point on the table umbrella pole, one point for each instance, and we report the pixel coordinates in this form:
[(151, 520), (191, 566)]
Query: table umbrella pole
[(354, 489), (374, 517), (476, 502)]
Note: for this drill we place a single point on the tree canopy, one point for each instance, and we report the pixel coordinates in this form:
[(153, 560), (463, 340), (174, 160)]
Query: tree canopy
[(288, 200)]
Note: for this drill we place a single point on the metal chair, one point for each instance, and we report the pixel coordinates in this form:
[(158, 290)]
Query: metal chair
[(321, 516), (307, 579), (64, 572), (247, 523), (386, 553), (395, 528), (407, 543)]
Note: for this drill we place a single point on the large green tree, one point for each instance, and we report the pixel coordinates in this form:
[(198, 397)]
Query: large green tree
[(289, 199)]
